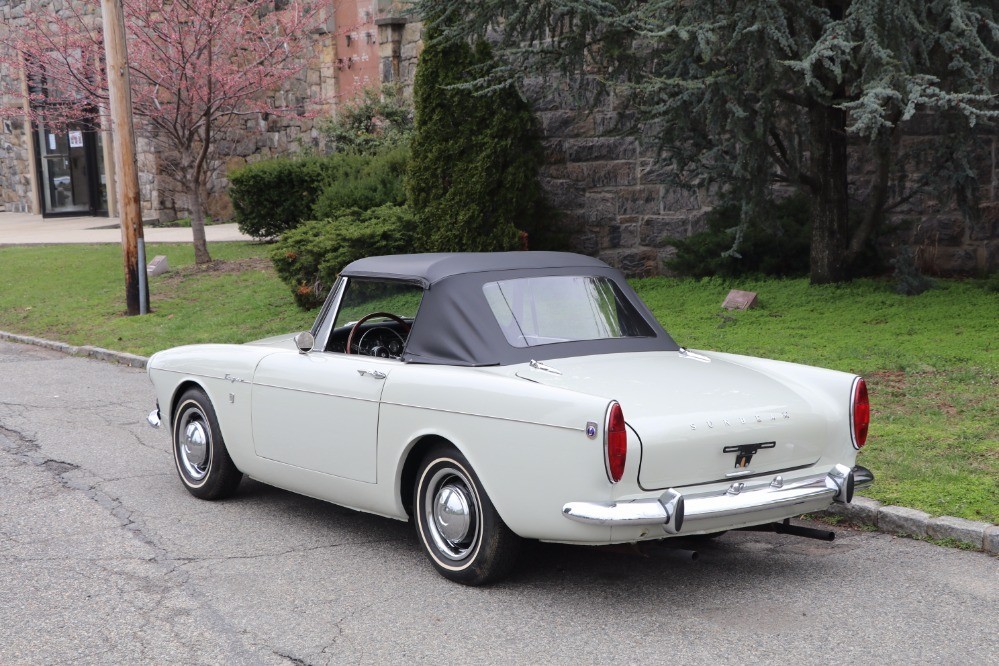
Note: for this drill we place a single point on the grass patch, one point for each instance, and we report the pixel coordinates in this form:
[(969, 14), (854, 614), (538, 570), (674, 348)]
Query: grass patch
[(76, 294), (951, 542), (930, 360)]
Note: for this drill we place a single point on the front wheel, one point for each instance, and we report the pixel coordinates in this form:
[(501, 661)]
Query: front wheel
[(199, 452), (456, 523)]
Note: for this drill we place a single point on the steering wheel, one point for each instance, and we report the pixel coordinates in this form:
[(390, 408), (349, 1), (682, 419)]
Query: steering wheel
[(399, 320)]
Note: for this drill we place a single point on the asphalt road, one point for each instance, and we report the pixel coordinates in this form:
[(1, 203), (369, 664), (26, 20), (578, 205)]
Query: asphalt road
[(105, 558)]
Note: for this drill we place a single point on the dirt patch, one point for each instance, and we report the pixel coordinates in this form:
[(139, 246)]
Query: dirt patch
[(887, 386), (218, 267)]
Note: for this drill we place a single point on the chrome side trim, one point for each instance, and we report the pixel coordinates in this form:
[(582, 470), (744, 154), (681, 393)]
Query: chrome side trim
[(812, 490), (484, 416)]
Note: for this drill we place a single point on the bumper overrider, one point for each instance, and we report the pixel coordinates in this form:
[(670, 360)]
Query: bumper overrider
[(740, 503), (154, 417)]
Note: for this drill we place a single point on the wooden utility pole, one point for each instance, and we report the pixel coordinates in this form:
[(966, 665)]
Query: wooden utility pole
[(123, 133)]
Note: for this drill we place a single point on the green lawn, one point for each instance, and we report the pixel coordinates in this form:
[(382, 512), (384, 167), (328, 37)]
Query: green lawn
[(930, 360), (76, 294)]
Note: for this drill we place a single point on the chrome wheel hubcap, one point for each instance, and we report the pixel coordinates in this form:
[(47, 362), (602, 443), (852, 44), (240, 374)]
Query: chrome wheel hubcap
[(193, 446), (452, 514)]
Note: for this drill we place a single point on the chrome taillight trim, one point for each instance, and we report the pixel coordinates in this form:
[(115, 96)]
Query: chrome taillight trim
[(853, 411), (607, 417)]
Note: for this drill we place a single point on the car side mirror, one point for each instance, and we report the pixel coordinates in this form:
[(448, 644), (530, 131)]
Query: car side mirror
[(305, 341)]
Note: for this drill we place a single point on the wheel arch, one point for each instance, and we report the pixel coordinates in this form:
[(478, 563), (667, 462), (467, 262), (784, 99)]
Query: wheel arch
[(181, 389), (407, 473)]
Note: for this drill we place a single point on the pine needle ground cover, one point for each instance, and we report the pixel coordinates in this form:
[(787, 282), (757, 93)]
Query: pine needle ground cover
[(930, 361)]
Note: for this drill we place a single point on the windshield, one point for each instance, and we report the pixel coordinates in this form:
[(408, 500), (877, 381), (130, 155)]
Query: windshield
[(364, 297), (547, 310)]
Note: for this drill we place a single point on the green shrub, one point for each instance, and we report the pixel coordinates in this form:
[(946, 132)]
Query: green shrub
[(371, 181), (379, 121), (777, 242), (273, 196), (472, 178), (309, 257)]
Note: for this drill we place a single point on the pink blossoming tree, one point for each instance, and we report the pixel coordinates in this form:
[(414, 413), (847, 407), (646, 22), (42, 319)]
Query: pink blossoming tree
[(199, 70)]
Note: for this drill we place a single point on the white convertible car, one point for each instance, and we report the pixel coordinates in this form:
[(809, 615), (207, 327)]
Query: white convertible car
[(498, 397)]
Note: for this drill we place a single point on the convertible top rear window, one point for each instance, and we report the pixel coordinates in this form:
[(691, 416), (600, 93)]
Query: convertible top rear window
[(534, 311)]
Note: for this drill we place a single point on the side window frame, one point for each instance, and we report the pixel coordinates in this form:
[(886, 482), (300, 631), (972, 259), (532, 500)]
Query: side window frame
[(324, 322)]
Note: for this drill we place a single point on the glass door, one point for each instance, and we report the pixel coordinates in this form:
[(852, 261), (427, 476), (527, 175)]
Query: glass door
[(72, 171)]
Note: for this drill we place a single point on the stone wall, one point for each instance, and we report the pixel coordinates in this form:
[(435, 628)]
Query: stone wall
[(617, 205), (15, 183), (15, 159), (162, 198), (614, 200), (252, 138), (399, 46), (944, 240)]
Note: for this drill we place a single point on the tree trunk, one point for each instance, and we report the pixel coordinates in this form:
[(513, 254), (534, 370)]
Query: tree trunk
[(195, 205), (830, 221), (883, 150), (197, 210)]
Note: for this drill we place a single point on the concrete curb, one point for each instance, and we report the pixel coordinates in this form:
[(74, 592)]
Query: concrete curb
[(98, 353), (903, 521), (897, 520)]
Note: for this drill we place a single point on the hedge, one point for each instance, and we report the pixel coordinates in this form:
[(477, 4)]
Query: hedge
[(310, 257), (274, 196)]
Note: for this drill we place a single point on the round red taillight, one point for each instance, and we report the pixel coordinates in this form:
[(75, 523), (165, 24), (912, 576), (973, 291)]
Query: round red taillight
[(861, 413), (615, 443)]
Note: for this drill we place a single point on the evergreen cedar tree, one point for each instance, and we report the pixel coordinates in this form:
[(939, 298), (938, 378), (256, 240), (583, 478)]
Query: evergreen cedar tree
[(198, 68), (472, 179), (745, 96)]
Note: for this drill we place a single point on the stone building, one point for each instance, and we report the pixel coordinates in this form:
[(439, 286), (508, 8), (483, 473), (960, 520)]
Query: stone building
[(360, 43), (613, 200)]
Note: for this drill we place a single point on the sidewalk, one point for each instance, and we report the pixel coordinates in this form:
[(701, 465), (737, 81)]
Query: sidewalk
[(26, 229)]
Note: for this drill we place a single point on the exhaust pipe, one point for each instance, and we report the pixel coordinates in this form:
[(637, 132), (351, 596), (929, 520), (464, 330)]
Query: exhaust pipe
[(681, 554), (808, 532), (794, 530)]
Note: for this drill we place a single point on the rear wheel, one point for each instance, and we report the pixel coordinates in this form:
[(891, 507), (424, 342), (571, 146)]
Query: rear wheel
[(456, 523), (199, 452)]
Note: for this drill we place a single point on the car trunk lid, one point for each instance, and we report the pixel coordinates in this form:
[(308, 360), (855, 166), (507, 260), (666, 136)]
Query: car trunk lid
[(700, 419)]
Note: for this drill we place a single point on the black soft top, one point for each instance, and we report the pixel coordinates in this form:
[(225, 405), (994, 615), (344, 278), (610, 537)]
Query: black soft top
[(455, 325), (427, 269)]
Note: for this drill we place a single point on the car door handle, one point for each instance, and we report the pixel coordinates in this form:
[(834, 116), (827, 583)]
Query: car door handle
[(377, 374)]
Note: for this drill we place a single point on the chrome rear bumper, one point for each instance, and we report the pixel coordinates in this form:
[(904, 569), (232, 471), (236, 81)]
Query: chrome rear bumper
[(741, 502)]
